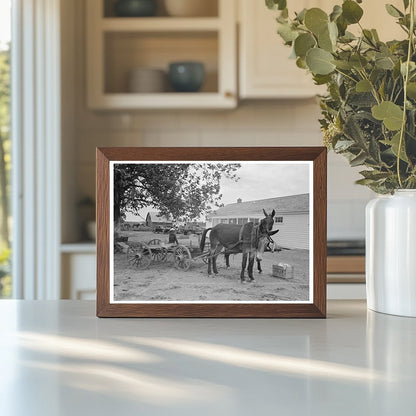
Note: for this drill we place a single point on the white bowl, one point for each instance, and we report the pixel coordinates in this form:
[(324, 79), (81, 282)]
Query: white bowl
[(147, 80), (191, 8)]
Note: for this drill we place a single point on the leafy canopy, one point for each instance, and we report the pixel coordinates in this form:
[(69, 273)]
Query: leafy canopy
[(183, 191), (369, 111)]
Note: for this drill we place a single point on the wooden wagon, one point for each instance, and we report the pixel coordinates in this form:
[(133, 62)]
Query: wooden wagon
[(141, 255)]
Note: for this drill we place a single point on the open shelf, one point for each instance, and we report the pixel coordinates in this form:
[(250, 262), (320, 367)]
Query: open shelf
[(211, 9), (119, 45), (126, 51), (160, 24)]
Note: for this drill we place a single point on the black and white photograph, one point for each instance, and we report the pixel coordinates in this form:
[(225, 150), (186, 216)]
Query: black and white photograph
[(195, 232)]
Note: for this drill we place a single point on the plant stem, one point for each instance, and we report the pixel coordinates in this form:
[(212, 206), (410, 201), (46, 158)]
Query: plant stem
[(406, 80)]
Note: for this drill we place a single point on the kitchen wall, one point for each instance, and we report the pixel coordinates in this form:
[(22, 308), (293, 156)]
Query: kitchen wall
[(253, 123)]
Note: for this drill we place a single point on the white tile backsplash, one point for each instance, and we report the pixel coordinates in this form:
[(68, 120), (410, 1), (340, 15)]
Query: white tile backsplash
[(258, 123)]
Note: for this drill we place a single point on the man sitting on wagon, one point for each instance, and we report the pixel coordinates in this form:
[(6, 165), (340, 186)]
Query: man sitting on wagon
[(172, 237)]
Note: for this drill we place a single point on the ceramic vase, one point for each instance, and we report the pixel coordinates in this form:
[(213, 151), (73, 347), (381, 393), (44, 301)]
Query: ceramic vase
[(391, 253)]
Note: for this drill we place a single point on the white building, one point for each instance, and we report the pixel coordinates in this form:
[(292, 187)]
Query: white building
[(292, 217)]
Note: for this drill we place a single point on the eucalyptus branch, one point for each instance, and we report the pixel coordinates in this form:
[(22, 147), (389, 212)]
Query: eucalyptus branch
[(346, 75), (373, 88), (406, 80)]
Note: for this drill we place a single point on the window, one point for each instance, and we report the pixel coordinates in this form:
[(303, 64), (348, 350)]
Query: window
[(5, 161), (242, 221), (233, 220), (278, 219)]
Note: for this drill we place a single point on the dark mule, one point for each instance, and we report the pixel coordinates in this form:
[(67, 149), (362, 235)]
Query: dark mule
[(249, 239), (270, 246)]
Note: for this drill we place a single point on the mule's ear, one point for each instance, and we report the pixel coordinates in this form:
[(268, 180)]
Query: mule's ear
[(273, 232), (264, 212), (273, 212)]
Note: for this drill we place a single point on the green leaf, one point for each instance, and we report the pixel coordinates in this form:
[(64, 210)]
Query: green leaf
[(393, 11), (319, 61), (394, 145), (384, 62), (336, 12), (388, 112), (344, 65), (342, 25), (321, 79), (411, 90), (358, 160), (301, 15), (363, 86), (276, 4), (343, 145), (301, 63), (358, 61), (347, 37), (406, 4), (303, 43), (325, 42), (316, 20), (351, 11), (375, 35), (374, 175), (287, 33)]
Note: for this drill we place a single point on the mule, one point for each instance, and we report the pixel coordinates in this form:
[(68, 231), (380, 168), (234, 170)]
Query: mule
[(270, 246), (250, 239)]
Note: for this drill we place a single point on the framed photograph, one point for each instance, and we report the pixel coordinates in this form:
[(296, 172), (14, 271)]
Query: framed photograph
[(211, 232)]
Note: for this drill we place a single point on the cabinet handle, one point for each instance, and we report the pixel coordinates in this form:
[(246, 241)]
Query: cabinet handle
[(229, 94)]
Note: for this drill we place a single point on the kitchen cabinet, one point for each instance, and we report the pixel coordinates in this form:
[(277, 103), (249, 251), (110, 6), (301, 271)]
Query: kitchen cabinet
[(265, 70), (118, 45), (78, 263)]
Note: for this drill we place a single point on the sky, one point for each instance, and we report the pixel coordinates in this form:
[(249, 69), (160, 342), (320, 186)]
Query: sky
[(4, 21), (259, 181)]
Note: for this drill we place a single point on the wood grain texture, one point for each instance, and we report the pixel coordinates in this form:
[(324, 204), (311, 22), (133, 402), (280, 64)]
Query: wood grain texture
[(317, 309)]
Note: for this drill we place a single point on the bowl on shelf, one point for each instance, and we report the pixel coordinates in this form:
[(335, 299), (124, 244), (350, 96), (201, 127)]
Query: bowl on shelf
[(135, 8), (186, 76), (191, 8), (147, 81)]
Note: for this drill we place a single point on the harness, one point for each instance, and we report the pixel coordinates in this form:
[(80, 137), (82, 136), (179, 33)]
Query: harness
[(253, 241)]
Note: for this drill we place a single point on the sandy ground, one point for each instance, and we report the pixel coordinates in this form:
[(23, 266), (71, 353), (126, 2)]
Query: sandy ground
[(163, 282)]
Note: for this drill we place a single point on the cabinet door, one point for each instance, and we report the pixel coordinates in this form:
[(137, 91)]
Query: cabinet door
[(78, 275), (265, 68)]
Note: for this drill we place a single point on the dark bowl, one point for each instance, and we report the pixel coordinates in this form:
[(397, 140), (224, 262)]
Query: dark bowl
[(135, 8), (187, 76)]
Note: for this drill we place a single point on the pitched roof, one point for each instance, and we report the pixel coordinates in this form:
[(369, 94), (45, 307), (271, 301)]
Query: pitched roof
[(284, 204)]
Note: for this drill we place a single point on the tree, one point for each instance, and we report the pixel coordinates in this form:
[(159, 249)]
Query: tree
[(4, 142), (181, 190)]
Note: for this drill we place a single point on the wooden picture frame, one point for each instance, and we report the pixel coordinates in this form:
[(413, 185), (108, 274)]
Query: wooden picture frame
[(312, 307)]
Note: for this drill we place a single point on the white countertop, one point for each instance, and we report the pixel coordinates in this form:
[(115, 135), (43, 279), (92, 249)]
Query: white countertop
[(57, 358)]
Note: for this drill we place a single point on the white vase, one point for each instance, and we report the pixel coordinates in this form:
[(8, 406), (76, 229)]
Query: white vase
[(391, 253)]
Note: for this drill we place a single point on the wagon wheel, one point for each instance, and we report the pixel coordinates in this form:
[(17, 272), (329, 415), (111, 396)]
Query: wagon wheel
[(182, 258), (155, 242), (139, 255), (159, 253)]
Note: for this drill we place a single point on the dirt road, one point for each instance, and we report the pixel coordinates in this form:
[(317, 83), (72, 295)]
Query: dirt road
[(162, 282)]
